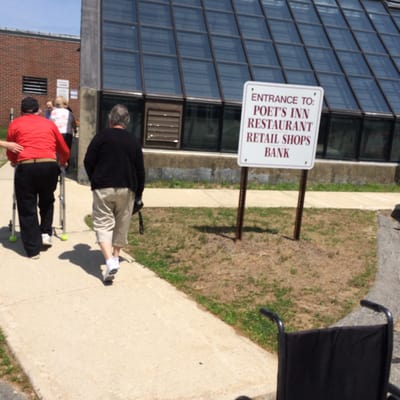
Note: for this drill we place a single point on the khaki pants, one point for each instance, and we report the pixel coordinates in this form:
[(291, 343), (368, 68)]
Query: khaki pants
[(112, 211)]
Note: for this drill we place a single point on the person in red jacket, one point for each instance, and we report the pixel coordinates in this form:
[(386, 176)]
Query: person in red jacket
[(36, 173)]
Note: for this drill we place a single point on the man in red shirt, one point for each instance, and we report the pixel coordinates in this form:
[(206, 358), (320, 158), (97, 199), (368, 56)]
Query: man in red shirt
[(36, 173)]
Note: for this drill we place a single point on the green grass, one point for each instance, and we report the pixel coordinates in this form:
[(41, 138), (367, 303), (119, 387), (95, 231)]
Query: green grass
[(3, 133)]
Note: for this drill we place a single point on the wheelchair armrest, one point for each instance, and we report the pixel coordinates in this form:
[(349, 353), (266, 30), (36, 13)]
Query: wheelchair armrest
[(274, 318), (394, 392)]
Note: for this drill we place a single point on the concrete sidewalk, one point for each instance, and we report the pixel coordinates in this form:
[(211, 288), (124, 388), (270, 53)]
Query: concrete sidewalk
[(139, 338)]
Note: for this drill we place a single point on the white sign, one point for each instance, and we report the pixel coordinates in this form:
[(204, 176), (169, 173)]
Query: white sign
[(279, 125), (62, 83)]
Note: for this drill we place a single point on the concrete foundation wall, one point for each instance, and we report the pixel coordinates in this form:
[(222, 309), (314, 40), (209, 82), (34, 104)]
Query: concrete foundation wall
[(217, 168)]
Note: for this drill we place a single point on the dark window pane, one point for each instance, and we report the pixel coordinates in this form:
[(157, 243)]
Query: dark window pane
[(201, 127), (262, 53), (158, 41), (382, 66), (120, 10), (119, 36), (230, 129), (326, 2), (252, 27), (276, 9), (313, 35), (337, 92), (154, 14), (304, 12), (392, 43), (369, 42), (293, 56), (232, 79), (200, 79), (301, 78), (353, 63), (268, 75), (161, 75), (392, 93), (223, 5), (342, 38), (121, 71), (193, 45), (284, 31), (228, 49), (331, 16), (247, 7), (375, 140), (397, 62), (358, 20), (190, 19), (222, 23), (395, 155), (342, 139), (369, 95)]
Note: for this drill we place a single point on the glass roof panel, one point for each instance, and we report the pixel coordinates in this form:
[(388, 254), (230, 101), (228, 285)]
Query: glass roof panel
[(222, 23), (155, 40), (331, 16), (304, 12), (284, 31), (276, 9), (353, 63), (263, 74), (369, 95), (313, 35), (233, 77), (358, 20), (223, 5), (228, 49), (352, 4), (323, 60), (369, 42), (154, 14), (374, 6), (342, 38), (301, 77), (121, 71), (247, 7), (392, 43), (200, 79), (383, 24), (382, 66), (337, 92), (161, 75), (120, 36), (392, 90), (125, 12), (194, 3), (261, 53), (253, 27), (190, 19), (193, 45), (293, 57)]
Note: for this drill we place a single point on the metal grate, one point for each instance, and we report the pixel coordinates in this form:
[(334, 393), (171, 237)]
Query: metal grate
[(34, 85)]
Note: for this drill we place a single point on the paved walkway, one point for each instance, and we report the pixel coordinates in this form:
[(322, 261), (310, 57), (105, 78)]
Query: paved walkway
[(140, 338)]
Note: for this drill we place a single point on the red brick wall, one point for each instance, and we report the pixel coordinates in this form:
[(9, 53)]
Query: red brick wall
[(23, 54)]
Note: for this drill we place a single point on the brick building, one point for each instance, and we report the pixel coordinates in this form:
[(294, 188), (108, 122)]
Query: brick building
[(38, 65)]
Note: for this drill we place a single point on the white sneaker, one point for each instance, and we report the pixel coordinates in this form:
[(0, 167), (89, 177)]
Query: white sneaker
[(46, 240), (111, 269)]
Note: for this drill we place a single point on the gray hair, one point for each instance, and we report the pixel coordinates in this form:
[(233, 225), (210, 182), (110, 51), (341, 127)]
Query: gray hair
[(119, 115)]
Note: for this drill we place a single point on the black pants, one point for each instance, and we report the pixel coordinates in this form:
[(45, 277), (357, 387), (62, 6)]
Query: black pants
[(34, 186)]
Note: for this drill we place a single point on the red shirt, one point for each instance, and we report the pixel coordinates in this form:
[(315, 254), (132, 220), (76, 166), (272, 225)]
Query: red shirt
[(39, 137)]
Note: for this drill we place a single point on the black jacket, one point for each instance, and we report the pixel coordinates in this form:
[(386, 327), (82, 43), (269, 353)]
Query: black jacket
[(114, 159)]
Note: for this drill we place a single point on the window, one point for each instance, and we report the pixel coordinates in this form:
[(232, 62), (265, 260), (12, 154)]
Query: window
[(34, 85)]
